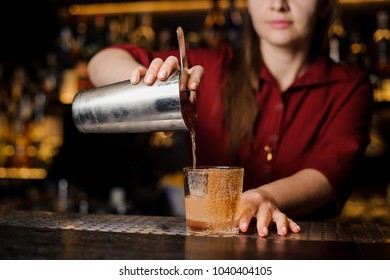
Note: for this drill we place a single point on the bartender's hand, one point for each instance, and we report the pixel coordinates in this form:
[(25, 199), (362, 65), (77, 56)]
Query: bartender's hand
[(257, 203), (160, 69)]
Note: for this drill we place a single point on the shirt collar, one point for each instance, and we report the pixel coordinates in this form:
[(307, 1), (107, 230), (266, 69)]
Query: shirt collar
[(318, 72)]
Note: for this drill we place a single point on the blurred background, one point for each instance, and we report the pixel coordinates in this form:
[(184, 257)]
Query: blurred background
[(46, 164)]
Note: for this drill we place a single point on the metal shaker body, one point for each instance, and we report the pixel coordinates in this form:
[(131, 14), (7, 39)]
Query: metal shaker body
[(126, 108)]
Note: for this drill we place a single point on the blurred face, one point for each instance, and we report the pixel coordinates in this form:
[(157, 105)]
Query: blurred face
[(286, 23)]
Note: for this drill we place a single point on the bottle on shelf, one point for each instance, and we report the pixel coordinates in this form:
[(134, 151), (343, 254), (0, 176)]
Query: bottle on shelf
[(144, 35), (381, 39), (357, 50), (214, 25), (233, 24), (336, 33)]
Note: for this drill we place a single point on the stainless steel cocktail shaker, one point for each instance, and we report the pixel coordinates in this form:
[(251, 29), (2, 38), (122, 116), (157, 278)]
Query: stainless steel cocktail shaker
[(126, 108)]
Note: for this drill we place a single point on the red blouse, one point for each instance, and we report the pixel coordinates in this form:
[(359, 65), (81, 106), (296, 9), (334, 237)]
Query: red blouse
[(321, 121)]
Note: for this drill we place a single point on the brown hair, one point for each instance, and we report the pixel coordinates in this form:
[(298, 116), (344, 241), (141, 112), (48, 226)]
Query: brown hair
[(241, 82)]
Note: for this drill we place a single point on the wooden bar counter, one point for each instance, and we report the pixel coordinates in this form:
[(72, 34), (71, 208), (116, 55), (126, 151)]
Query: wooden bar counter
[(51, 235)]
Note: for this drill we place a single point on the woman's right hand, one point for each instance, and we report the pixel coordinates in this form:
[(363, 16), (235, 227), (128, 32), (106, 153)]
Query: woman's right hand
[(161, 70)]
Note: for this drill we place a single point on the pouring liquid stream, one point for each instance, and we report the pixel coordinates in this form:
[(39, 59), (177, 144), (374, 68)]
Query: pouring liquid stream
[(193, 144), (183, 81)]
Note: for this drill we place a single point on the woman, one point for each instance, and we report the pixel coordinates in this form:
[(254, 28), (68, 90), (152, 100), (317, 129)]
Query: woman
[(297, 122)]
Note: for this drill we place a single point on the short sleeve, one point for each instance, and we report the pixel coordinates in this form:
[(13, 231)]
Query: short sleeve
[(341, 144)]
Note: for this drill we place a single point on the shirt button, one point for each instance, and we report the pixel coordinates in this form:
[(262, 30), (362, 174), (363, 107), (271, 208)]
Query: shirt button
[(268, 151)]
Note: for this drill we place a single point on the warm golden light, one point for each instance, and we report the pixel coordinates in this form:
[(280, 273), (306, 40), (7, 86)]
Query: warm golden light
[(31, 151), (22, 173), (167, 6), (9, 150), (383, 93), (357, 48), (381, 34), (148, 7), (69, 86)]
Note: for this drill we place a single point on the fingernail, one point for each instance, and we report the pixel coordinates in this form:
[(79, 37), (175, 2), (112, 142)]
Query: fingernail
[(283, 230), (193, 86), (244, 225), (149, 78), (162, 74), (264, 232), (134, 79)]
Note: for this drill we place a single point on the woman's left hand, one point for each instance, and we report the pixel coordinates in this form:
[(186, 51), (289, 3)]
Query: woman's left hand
[(257, 203)]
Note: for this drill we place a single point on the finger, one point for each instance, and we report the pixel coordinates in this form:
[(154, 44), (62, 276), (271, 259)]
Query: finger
[(264, 217), (169, 133), (151, 74), (245, 218), (137, 73), (196, 74), (281, 222), (169, 65), (293, 226)]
